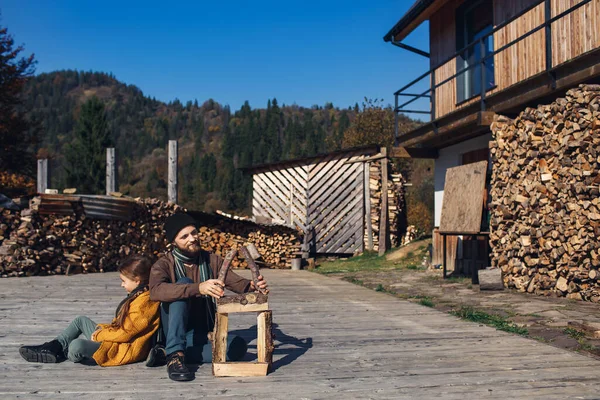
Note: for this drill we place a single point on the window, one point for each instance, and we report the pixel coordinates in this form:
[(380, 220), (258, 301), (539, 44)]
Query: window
[(474, 20)]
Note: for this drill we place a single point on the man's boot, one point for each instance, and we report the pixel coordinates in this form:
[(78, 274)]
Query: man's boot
[(177, 369), (157, 357), (49, 352)]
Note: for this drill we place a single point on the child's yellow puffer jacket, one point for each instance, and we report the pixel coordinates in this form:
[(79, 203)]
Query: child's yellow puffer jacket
[(131, 342)]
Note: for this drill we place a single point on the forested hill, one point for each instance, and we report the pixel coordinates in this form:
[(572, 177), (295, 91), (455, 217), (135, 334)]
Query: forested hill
[(214, 141)]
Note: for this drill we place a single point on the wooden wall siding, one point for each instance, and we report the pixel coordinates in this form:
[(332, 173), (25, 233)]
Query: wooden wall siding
[(572, 36), (445, 95), (527, 57), (442, 32), (281, 194), (336, 204), (577, 33)]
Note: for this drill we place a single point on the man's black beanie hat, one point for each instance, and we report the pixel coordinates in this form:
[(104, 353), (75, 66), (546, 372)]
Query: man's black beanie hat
[(176, 223)]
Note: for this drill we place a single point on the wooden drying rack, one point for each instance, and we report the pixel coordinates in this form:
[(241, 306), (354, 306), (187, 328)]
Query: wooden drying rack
[(257, 302)]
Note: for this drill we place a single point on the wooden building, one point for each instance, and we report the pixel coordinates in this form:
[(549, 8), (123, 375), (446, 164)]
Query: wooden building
[(334, 199), (489, 58)]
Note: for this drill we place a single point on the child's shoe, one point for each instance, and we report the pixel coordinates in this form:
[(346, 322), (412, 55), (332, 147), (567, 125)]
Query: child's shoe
[(49, 352)]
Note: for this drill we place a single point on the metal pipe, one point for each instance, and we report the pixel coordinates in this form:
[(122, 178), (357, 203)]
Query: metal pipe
[(412, 83), (415, 99), (415, 111), (412, 94), (548, 34), (411, 49), (432, 106), (483, 82)]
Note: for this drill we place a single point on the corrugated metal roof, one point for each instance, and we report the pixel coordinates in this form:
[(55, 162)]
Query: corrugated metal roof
[(108, 207), (93, 206)]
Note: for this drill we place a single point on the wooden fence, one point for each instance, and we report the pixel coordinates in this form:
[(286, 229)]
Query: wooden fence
[(324, 197)]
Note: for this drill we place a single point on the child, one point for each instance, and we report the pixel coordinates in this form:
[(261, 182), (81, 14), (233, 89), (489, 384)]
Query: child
[(125, 340)]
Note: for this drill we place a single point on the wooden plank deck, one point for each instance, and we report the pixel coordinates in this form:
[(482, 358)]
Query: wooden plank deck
[(333, 340)]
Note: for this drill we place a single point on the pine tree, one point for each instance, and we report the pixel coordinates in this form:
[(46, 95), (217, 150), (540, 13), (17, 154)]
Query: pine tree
[(86, 156), (16, 141)]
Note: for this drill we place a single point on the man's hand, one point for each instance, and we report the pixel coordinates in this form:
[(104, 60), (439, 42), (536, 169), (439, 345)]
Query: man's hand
[(213, 288), (262, 285)]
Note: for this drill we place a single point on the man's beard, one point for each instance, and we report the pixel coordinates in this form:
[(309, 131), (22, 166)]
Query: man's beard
[(188, 252)]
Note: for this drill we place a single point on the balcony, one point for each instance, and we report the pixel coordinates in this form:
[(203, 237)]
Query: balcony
[(532, 57)]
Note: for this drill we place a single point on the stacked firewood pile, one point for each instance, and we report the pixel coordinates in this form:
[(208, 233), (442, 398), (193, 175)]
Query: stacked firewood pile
[(13, 184), (545, 188), (9, 221), (63, 244), (58, 244), (277, 245), (395, 203)]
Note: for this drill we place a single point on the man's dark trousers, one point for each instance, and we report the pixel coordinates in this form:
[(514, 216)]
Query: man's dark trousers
[(186, 324)]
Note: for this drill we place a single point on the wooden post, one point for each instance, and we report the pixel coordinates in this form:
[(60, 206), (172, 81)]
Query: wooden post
[(42, 175), (172, 190), (220, 338), (264, 343), (383, 219), (291, 205), (111, 173), (367, 170), (444, 256)]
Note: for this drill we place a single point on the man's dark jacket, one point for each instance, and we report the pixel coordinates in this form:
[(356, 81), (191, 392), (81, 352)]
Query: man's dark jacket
[(162, 278)]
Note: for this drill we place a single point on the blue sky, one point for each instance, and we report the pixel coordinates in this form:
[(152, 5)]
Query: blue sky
[(308, 52)]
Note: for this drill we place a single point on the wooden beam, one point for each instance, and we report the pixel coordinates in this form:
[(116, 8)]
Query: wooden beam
[(372, 158), (367, 214), (244, 302), (412, 152), (383, 219), (477, 119), (236, 308), (240, 369), (485, 118)]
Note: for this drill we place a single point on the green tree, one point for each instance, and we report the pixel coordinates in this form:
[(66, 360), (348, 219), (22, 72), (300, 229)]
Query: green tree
[(86, 155), (16, 140)]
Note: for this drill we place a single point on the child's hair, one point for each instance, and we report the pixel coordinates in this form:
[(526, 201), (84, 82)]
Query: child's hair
[(136, 267), (133, 267)]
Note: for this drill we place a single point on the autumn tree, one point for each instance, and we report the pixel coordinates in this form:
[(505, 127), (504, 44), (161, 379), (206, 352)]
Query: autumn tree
[(86, 155), (373, 124), (16, 140)]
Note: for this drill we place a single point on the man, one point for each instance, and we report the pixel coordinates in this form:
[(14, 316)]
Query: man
[(183, 281)]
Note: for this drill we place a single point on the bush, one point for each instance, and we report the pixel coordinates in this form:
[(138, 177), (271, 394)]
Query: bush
[(420, 216)]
